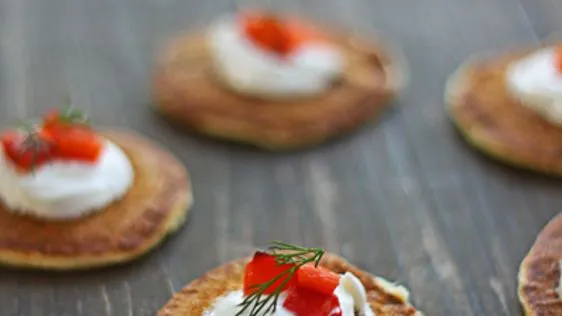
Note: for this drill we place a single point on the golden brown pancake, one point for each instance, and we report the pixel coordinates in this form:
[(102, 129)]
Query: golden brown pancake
[(385, 299), (188, 92), (498, 124), (155, 206), (539, 274)]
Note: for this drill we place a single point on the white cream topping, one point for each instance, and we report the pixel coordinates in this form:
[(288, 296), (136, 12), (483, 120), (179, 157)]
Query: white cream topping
[(251, 70), (352, 296), (350, 293), (537, 82), (395, 289), (66, 189), (228, 306)]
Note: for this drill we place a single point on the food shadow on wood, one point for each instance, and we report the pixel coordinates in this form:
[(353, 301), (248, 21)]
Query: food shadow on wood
[(505, 169), (234, 146)]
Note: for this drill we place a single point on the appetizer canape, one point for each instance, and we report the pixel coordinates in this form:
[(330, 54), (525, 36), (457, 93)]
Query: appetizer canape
[(275, 82), (510, 107), (540, 273), (289, 280), (73, 198)]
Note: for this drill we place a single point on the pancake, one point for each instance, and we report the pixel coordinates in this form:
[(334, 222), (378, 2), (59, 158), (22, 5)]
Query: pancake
[(539, 274), (188, 93), (155, 206), (385, 298), (496, 123)]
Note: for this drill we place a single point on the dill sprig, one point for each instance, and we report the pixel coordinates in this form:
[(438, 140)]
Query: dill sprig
[(258, 303), (36, 143), (33, 141), (71, 115)]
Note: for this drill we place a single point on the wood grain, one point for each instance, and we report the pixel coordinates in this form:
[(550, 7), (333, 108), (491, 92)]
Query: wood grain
[(406, 199)]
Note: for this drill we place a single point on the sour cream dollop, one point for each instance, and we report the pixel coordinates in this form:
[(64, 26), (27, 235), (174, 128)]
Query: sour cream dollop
[(248, 69), (350, 293), (66, 189), (537, 82)]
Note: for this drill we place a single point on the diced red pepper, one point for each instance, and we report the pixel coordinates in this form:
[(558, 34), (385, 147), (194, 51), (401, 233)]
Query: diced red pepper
[(80, 144), (281, 36), (263, 268), (300, 33), (27, 156), (72, 141), (266, 30), (317, 279), (305, 302)]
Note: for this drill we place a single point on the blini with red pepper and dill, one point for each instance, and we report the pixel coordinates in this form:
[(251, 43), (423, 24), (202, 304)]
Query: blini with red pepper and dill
[(509, 106), (72, 197), (293, 281), (276, 82)]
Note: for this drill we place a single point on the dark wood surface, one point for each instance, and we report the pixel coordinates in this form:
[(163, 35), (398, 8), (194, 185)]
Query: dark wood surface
[(405, 199)]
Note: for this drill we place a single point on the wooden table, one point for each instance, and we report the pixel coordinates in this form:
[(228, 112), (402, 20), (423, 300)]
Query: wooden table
[(406, 199)]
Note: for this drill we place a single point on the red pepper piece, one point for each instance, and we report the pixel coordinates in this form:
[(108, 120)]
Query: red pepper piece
[(317, 279), (263, 268), (305, 302)]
